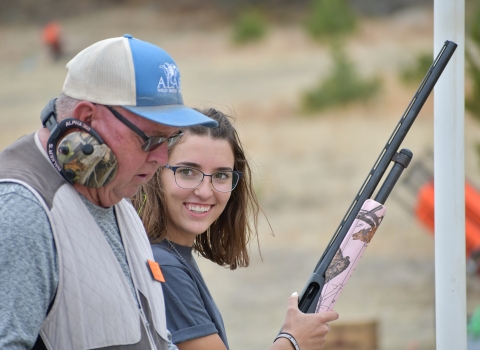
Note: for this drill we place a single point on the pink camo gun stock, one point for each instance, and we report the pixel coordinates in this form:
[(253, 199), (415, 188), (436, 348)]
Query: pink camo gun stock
[(364, 215)]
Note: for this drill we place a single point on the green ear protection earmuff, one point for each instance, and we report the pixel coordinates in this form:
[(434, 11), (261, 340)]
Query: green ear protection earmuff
[(79, 156)]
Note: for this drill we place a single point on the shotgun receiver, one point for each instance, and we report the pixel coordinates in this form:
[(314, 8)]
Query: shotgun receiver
[(364, 214)]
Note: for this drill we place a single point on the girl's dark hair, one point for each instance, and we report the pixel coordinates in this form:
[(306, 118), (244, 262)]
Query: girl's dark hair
[(225, 242)]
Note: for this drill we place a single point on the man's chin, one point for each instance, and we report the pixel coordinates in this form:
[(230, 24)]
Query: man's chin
[(132, 192)]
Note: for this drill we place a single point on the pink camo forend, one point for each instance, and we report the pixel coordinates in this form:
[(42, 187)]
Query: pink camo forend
[(351, 250)]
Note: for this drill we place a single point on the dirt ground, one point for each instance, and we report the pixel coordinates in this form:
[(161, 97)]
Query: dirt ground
[(307, 168)]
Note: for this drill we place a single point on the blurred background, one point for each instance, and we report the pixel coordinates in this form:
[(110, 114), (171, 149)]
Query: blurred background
[(316, 88)]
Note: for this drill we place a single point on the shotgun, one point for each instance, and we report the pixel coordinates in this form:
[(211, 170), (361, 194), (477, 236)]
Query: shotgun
[(364, 215)]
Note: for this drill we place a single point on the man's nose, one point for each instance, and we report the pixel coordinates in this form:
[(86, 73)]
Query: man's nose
[(159, 155)]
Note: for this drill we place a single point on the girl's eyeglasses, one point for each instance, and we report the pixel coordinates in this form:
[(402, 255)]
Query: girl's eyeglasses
[(189, 178)]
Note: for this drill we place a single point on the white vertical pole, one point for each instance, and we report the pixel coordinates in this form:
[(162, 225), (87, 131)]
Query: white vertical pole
[(449, 177)]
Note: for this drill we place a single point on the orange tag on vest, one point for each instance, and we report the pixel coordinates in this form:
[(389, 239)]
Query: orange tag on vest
[(156, 271)]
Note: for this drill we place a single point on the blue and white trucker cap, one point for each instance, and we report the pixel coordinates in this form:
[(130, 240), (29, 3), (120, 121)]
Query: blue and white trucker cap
[(134, 74)]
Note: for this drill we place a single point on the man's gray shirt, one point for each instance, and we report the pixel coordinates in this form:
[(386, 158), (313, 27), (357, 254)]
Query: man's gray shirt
[(28, 267), (28, 263)]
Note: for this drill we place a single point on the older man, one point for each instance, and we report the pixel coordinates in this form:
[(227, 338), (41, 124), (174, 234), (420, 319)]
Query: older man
[(74, 256)]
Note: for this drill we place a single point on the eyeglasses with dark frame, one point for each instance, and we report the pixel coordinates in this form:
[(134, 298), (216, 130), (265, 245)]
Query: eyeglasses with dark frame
[(150, 143), (190, 178)]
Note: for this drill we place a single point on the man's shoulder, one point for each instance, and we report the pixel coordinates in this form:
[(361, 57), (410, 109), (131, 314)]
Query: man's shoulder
[(17, 192), (22, 215), (25, 161), (20, 208)]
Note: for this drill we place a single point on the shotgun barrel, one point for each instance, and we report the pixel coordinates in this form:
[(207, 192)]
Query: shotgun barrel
[(311, 294)]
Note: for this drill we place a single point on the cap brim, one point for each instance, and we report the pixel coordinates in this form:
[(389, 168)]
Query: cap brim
[(173, 115)]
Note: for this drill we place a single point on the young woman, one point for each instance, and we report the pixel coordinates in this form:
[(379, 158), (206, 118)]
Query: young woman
[(201, 201)]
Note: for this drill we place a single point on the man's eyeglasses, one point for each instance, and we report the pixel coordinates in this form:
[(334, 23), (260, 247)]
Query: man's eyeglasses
[(150, 143), (190, 178)]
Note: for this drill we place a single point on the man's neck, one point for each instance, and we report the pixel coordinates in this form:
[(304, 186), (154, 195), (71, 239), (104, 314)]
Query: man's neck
[(98, 196)]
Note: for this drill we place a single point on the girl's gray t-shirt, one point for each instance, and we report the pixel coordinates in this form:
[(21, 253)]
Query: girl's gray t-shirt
[(190, 308)]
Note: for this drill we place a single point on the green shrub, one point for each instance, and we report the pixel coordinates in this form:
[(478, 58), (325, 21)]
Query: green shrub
[(344, 85), (477, 149), (414, 73), (472, 65), (330, 19), (250, 26), (472, 101)]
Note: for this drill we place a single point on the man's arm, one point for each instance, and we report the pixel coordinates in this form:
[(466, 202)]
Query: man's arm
[(29, 272)]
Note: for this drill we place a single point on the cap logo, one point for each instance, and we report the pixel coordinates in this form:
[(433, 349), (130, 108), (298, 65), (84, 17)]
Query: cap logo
[(170, 82)]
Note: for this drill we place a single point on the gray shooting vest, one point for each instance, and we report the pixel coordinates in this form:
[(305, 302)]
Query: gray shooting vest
[(94, 306)]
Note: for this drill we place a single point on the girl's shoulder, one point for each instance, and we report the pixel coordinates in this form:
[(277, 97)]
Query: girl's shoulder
[(165, 255)]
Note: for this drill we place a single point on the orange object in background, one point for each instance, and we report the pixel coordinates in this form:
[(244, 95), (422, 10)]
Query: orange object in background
[(51, 37), (425, 213), (51, 33), (424, 210)]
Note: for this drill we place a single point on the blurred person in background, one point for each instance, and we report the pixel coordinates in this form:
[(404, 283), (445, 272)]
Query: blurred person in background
[(73, 251), (51, 37), (202, 201)]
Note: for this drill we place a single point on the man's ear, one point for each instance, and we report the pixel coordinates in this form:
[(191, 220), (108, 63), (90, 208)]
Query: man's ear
[(86, 112)]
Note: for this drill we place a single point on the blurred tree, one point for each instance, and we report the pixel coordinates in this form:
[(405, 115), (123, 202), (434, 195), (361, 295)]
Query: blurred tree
[(472, 61), (343, 85), (414, 73), (472, 100), (251, 25), (330, 19)]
